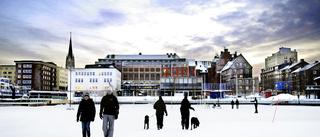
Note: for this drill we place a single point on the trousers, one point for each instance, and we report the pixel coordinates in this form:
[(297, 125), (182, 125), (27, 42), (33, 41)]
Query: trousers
[(108, 125)]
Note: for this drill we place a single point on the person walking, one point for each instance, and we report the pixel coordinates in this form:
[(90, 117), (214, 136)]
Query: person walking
[(232, 104), (86, 113), (109, 110), (160, 110), (237, 103), (185, 113)]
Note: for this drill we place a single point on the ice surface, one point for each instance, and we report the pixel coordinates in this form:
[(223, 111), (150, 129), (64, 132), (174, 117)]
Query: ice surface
[(56, 121)]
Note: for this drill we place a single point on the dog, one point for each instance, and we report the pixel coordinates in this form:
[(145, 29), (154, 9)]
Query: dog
[(194, 122), (146, 122)]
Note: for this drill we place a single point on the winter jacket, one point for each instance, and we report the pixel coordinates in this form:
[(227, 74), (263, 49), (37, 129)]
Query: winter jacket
[(185, 106), (109, 105), (160, 107), (86, 110)]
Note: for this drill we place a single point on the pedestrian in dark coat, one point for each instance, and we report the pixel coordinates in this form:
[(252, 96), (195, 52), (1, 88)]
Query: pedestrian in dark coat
[(160, 110), (86, 112), (237, 103), (109, 110), (232, 104), (185, 113), (255, 105)]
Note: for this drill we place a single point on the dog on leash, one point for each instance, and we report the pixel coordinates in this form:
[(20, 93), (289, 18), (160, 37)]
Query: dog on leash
[(194, 122), (146, 122)]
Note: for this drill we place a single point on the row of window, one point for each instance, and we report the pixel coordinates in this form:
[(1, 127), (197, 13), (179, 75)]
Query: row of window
[(7, 72), (241, 64), (167, 71), (241, 71), (93, 80), (8, 68), (25, 76), (141, 69), (91, 87), (93, 73)]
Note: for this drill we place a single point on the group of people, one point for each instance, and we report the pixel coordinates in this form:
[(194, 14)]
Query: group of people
[(255, 102), (184, 110), (109, 110)]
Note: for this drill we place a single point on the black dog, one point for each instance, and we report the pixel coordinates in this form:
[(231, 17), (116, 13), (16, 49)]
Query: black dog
[(194, 122), (146, 122)]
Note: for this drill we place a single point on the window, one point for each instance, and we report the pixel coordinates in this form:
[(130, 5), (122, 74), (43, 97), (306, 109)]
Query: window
[(27, 71), (234, 71), (241, 70), (174, 71), (179, 71), (19, 71), (237, 65), (26, 76), (247, 71), (27, 65), (244, 64), (19, 65), (247, 81), (315, 72)]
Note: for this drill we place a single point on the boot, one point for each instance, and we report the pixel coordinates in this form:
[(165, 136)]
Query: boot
[(84, 134), (88, 133)]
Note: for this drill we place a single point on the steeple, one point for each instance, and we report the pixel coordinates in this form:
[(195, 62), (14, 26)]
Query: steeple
[(70, 46), (70, 57)]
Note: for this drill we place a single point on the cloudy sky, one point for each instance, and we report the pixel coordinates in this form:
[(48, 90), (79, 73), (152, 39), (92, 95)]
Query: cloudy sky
[(194, 29)]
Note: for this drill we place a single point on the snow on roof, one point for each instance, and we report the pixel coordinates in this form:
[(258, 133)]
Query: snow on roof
[(191, 62), (307, 67), (201, 67), (290, 66), (317, 78), (145, 57), (227, 66)]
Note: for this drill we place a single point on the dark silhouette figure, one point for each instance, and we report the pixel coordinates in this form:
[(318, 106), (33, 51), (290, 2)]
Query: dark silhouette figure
[(160, 110), (255, 105), (194, 122), (185, 113), (232, 104), (146, 122), (86, 112), (109, 111), (237, 103)]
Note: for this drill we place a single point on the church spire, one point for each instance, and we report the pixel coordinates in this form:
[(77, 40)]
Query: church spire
[(70, 47), (70, 57)]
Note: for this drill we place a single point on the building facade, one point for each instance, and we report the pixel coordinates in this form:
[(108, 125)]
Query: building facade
[(270, 75), (238, 73), (94, 81), (62, 79), (36, 75), (142, 74), (8, 71)]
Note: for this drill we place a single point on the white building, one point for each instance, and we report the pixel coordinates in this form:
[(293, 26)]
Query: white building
[(94, 80)]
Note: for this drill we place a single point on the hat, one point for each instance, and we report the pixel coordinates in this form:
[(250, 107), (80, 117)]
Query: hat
[(86, 94), (110, 88)]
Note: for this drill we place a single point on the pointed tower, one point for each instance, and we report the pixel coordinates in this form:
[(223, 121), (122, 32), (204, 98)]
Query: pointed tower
[(70, 57)]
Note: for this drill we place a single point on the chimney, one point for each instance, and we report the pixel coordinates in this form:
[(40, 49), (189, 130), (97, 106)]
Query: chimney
[(302, 60)]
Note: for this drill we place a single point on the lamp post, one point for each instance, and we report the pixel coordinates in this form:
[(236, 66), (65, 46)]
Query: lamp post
[(70, 108)]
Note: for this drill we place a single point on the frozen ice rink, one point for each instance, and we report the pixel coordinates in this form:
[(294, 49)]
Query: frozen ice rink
[(56, 121)]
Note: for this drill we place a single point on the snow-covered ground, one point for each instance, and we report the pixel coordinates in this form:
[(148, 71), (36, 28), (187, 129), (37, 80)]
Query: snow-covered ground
[(56, 121)]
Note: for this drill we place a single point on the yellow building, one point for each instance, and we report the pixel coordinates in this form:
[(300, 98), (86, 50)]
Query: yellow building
[(8, 71), (62, 79)]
